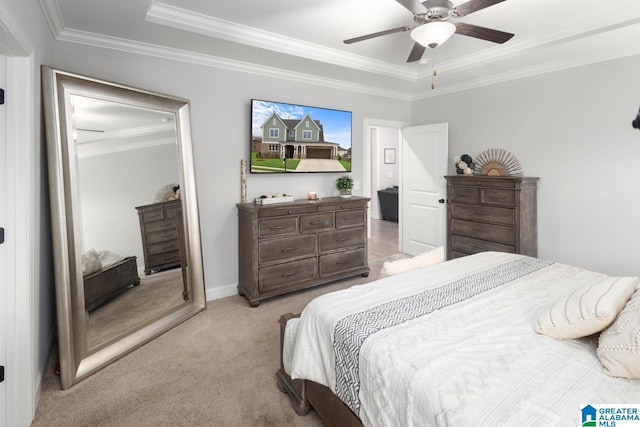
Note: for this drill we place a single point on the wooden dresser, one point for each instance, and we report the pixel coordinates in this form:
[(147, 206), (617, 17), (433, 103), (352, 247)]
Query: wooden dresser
[(290, 246), (486, 213), (159, 235)]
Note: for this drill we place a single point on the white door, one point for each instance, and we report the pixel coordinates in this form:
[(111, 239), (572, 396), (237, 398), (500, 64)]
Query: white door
[(3, 247), (423, 189)]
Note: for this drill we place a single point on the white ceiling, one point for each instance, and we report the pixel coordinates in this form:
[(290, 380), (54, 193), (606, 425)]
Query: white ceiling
[(302, 39)]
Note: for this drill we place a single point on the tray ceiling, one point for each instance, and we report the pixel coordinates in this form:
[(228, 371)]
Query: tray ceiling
[(302, 39)]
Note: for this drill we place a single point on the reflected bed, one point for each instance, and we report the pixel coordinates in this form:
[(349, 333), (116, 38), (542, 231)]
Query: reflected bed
[(104, 284), (453, 344)]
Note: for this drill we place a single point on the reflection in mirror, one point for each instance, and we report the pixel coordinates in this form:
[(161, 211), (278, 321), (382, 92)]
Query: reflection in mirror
[(123, 153), (127, 252)]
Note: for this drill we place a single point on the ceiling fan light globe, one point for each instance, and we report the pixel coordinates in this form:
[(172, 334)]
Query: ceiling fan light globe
[(433, 34)]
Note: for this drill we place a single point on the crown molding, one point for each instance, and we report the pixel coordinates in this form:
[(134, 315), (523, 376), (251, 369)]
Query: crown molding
[(514, 48), (53, 15), (13, 40), (110, 146), (532, 71), (614, 19), (124, 45), (174, 17), (127, 139)]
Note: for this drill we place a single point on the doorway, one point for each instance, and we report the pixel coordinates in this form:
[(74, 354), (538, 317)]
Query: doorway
[(421, 155), (381, 135)]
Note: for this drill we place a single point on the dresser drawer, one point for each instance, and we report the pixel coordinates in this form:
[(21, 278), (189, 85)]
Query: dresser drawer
[(340, 262), (286, 248), (317, 222), (153, 215), (340, 206), (464, 194), (484, 182), (472, 246), (497, 233), (341, 239), (163, 235), (282, 275), (158, 248), (173, 211), (498, 197), (484, 213), (283, 211), (163, 258), (155, 226), (350, 218), (277, 227)]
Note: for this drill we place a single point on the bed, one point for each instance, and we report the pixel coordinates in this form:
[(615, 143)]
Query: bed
[(106, 275), (488, 339)]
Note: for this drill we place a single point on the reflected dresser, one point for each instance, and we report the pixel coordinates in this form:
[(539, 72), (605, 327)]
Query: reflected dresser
[(491, 213), (159, 235), (286, 247)]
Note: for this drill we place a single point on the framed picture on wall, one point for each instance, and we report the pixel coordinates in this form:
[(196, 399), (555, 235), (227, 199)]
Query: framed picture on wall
[(389, 155)]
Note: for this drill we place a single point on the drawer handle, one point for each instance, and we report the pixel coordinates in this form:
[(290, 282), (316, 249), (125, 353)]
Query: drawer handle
[(479, 231), (279, 227), (291, 249), (317, 222), (167, 235), (342, 239), (343, 262), (350, 218), (289, 273), (496, 198), (464, 195), (479, 213)]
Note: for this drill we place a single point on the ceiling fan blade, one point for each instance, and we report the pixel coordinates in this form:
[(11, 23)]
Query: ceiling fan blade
[(378, 34), (416, 53), (473, 6), (414, 6), (483, 33)]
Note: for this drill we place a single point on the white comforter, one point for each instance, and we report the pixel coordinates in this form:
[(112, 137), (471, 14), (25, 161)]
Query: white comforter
[(476, 362)]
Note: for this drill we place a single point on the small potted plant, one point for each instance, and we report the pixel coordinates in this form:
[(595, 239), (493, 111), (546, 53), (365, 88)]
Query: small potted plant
[(344, 184)]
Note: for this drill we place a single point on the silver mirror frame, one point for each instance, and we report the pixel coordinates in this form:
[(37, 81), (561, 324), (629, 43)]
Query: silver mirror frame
[(76, 361)]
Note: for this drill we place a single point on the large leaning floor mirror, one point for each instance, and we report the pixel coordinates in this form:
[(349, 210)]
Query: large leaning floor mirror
[(126, 233)]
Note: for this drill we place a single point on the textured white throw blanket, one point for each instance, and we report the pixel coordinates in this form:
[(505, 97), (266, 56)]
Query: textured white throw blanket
[(476, 362)]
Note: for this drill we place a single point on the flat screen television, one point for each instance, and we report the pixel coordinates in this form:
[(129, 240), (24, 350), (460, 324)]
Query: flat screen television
[(292, 138)]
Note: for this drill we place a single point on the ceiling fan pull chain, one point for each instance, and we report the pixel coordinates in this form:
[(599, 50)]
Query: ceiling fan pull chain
[(434, 73)]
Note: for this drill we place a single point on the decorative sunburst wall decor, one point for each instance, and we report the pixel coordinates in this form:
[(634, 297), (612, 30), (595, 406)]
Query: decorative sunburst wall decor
[(497, 162), (166, 193)]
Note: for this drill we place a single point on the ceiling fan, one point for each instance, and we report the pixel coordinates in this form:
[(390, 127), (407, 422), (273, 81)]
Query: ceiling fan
[(433, 27)]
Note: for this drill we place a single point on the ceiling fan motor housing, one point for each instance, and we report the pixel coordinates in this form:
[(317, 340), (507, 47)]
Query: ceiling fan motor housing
[(437, 10)]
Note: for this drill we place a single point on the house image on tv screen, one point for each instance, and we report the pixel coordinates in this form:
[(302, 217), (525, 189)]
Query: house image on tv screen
[(296, 145)]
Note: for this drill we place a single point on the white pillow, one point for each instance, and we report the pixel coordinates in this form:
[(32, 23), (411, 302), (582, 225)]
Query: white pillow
[(91, 261), (434, 256), (587, 310), (618, 347)]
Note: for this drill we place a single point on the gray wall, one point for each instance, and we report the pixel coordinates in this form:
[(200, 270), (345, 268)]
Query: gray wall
[(112, 185), (220, 109), (572, 129)]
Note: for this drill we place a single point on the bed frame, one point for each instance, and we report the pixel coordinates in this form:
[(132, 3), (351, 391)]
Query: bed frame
[(307, 395), (101, 286)]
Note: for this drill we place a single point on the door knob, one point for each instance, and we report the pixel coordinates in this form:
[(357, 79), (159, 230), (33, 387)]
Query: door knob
[(441, 201)]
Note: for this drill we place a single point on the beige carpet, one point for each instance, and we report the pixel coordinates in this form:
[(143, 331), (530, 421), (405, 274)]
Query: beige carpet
[(217, 369), (156, 294)]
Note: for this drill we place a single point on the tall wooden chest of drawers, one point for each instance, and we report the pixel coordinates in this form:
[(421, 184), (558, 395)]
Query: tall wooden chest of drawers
[(159, 235), (290, 246), (487, 213)]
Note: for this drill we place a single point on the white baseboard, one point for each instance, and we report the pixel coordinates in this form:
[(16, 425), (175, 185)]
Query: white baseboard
[(221, 291)]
